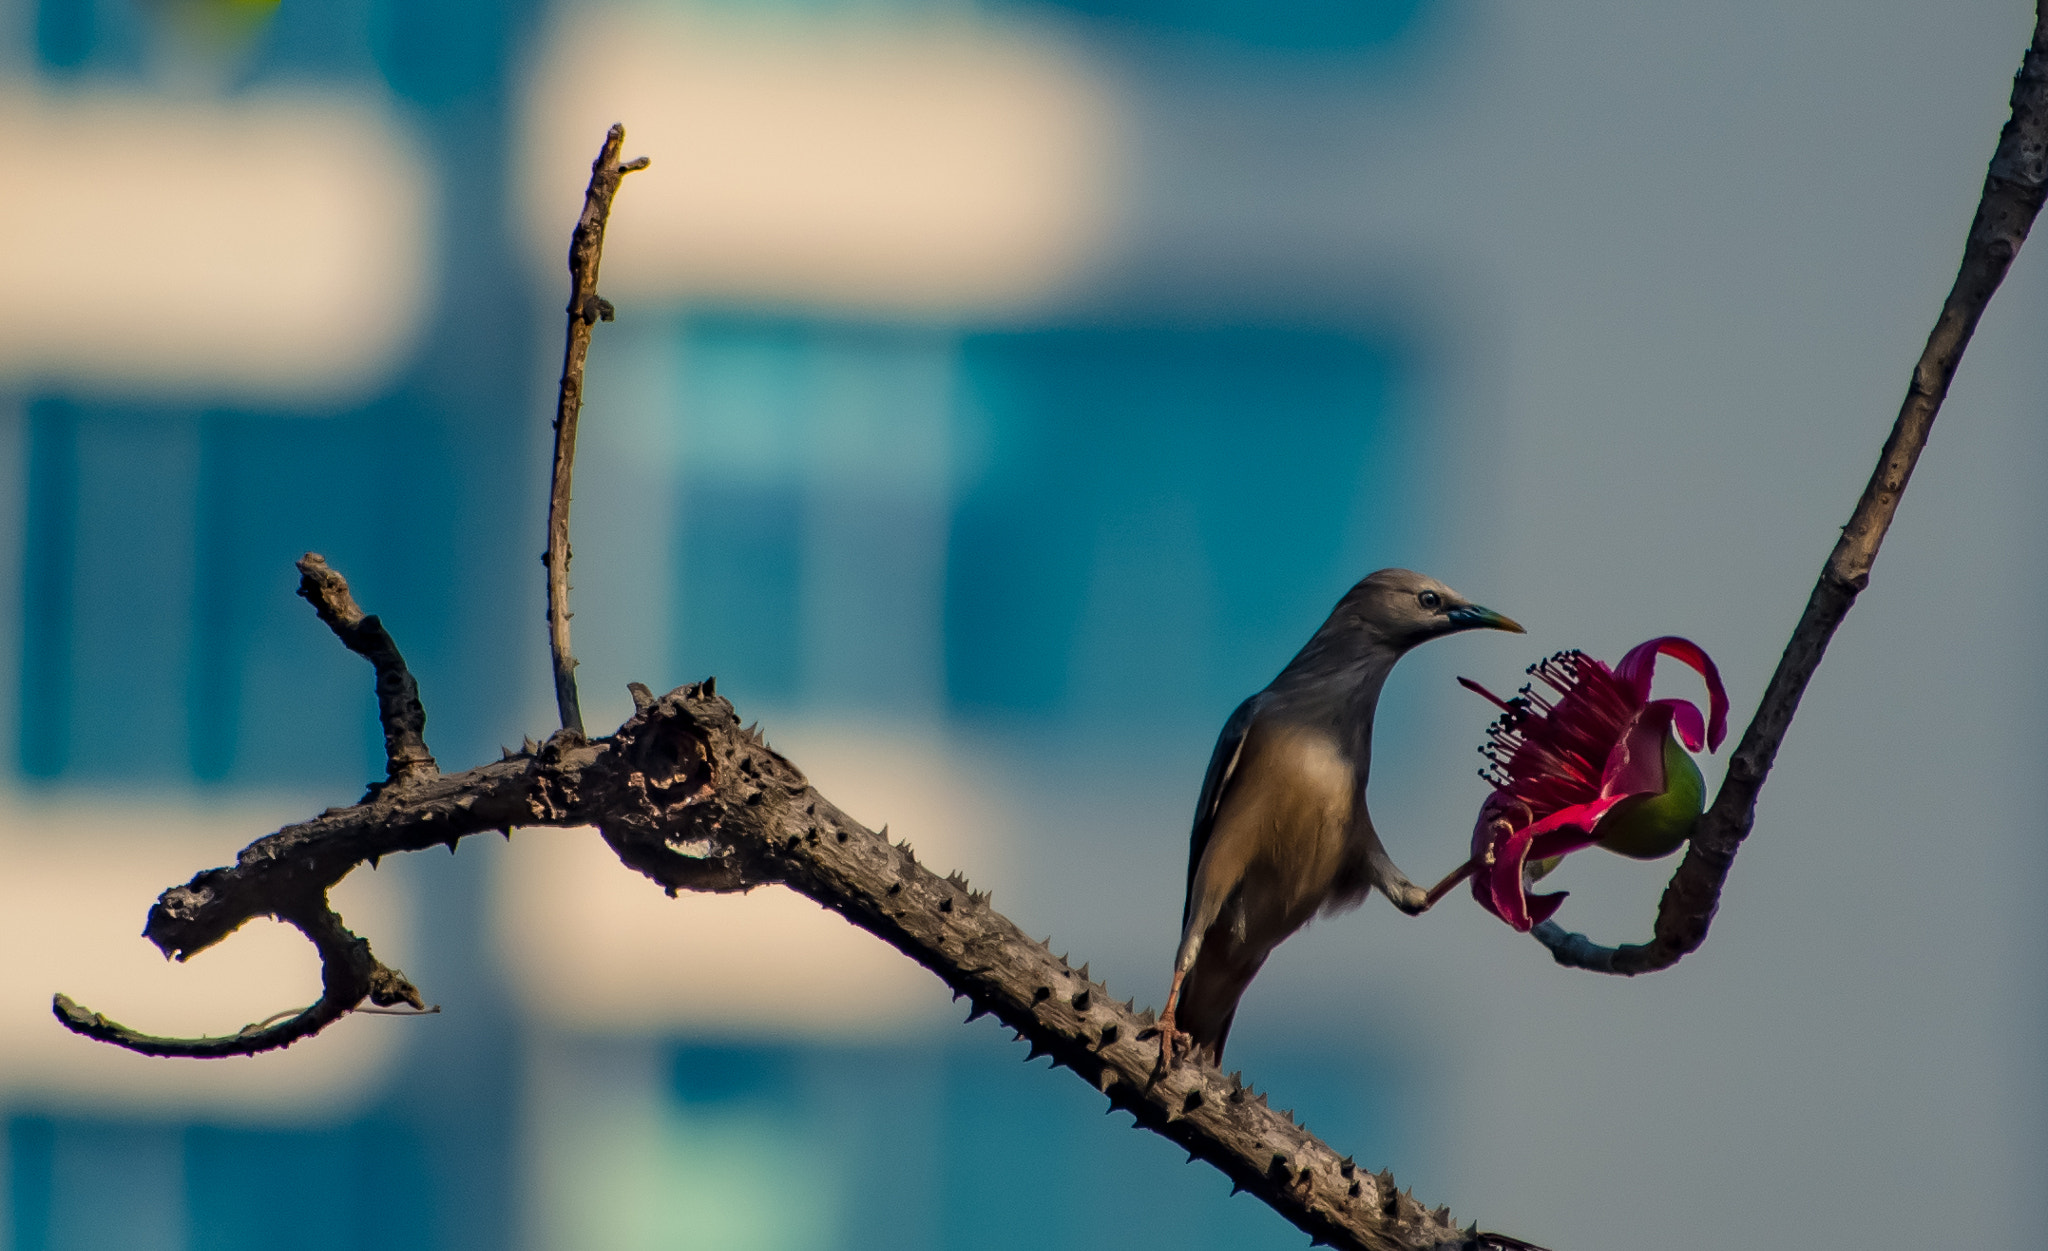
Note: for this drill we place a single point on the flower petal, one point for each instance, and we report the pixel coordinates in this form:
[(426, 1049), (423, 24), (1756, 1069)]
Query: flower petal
[(1568, 829), (1497, 857), (1685, 719), (1501, 849), (1542, 907), (1635, 766), (1636, 668)]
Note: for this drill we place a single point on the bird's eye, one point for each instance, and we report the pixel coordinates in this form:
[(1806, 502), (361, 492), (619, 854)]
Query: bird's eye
[(1430, 600)]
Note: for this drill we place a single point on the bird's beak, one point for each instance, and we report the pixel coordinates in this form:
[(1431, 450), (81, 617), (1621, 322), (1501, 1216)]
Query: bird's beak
[(1473, 617)]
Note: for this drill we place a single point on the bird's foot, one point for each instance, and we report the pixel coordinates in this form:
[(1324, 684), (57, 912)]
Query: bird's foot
[(1412, 899), (1171, 1039)]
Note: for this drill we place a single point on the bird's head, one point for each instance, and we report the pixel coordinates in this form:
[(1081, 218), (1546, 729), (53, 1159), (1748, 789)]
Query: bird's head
[(1400, 608)]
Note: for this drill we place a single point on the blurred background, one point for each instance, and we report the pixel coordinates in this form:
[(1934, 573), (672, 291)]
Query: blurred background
[(999, 393)]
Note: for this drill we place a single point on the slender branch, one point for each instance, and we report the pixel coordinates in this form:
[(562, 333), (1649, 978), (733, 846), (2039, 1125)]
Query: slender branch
[(349, 974), (586, 309), (406, 757), (2014, 189)]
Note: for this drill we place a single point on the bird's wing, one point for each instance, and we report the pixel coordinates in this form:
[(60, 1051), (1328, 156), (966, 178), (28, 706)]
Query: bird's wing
[(1222, 767)]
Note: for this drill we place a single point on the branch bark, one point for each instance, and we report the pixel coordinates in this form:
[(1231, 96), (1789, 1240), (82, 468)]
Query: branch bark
[(349, 974), (2014, 189), (586, 309)]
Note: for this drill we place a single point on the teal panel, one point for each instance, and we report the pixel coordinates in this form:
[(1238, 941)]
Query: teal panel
[(1159, 517)]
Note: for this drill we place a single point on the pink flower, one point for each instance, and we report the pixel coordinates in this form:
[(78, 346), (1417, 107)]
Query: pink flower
[(1598, 766)]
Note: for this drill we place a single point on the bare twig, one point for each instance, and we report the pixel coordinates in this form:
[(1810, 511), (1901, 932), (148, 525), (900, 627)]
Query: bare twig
[(2013, 192), (406, 757), (349, 974), (586, 309)]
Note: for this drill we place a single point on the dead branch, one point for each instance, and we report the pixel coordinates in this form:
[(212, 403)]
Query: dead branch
[(349, 974), (2013, 192), (586, 309)]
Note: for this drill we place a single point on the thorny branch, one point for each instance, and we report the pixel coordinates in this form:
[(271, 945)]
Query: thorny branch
[(586, 309)]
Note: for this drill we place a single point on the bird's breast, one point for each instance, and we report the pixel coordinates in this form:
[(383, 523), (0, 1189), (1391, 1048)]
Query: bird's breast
[(1295, 822)]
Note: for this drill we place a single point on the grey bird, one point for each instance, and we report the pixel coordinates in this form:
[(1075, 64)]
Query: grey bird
[(1281, 829)]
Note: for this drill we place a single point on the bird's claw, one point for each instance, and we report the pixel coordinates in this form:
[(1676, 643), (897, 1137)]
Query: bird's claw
[(1169, 1039), (1413, 900)]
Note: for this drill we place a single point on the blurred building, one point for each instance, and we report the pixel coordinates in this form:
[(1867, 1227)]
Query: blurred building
[(999, 392)]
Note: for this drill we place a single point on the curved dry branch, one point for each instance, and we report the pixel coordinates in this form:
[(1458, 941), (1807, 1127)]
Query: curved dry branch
[(586, 309), (348, 972), (2013, 192)]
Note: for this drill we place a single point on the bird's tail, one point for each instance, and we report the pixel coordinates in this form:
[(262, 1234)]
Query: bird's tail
[(1208, 998)]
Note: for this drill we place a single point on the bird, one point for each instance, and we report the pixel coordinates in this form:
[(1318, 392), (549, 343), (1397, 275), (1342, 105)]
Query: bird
[(1281, 830)]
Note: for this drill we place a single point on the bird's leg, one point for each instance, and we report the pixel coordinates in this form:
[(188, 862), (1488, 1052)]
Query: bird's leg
[(1393, 883), (1168, 1035)]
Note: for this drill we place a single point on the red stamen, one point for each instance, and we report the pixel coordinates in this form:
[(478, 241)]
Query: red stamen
[(1485, 694)]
